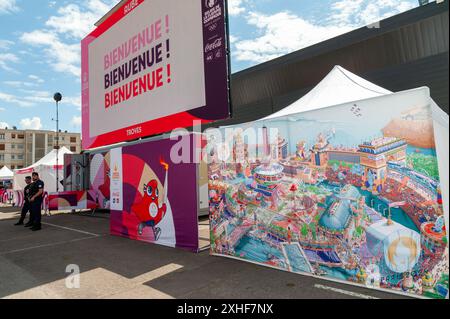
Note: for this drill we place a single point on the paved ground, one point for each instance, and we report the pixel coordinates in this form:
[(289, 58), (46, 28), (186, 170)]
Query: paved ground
[(33, 265)]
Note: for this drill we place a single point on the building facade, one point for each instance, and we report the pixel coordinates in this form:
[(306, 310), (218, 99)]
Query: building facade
[(22, 148)]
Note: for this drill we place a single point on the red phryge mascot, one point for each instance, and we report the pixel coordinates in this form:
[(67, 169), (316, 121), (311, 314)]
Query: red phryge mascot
[(148, 210)]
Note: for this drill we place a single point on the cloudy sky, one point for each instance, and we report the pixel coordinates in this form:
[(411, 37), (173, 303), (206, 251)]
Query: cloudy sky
[(40, 51)]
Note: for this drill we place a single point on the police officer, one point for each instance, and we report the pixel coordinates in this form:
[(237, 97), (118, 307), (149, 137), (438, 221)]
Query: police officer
[(36, 199), (26, 204)]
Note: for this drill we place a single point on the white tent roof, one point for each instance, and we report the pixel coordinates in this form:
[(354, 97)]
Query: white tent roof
[(6, 173), (338, 87), (49, 159)]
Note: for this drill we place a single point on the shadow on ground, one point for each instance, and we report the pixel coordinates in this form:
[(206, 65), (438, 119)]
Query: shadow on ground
[(33, 265)]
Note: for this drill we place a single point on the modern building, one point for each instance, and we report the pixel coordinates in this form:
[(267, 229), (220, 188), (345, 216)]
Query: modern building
[(432, 238), (376, 154), (337, 217), (282, 148), (22, 148)]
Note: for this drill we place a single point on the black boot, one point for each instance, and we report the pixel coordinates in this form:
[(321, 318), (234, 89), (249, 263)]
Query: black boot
[(29, 224), (19, 223), (35, 228)]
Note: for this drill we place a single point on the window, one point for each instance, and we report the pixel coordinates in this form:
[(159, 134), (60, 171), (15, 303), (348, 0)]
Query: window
[(13, 146), (13, 167), (20, 146), (2, 136), (20, 157), (21, 136), (13, 135), (2, 147), (2, 157), (13, 157), (73, 149), (73, 140)]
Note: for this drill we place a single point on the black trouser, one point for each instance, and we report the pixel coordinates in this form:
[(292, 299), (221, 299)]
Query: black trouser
[(25, 209), (36, 212)]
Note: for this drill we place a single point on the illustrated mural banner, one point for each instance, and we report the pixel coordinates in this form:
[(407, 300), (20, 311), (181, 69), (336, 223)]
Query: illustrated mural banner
[(158, 197), (99, 180), (70, 200), (349, 193)]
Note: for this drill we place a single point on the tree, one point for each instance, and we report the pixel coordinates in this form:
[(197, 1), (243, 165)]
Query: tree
[(304, 230)]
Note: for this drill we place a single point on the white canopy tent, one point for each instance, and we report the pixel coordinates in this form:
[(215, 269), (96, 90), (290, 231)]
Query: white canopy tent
[(46, 167), (6, 174), (353, 113), (338, 87)]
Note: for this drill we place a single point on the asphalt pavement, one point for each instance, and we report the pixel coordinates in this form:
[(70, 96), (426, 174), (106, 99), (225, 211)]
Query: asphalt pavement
[(42, 264)]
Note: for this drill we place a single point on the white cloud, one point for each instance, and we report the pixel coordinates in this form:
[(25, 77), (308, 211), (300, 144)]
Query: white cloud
[(31, 98), (19, 84), (8, 98), (78, 20), (236, 7), (76, 121), (36, 97), (73, 100), (285, 32), (36, 78), (358, 13), (282, 33), (233, 39), (31, 124), (6, 59), (73, 20), (61, 38), (2, 109), (5, 44), (8, 6), (4, 125), (63, 57)]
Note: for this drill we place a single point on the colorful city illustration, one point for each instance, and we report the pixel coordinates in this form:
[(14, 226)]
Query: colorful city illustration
[(338, 196)]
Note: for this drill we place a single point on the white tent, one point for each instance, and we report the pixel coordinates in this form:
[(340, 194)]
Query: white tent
[(338, 87), (6, 174), (46, 167), (348, 119)]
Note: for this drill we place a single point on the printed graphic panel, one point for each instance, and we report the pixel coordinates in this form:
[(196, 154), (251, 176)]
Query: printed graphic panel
[(152, 66), (159, 197), (350, 193)]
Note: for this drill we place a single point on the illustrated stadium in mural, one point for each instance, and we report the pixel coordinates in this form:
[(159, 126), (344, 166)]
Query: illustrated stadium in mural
[(338, 196)]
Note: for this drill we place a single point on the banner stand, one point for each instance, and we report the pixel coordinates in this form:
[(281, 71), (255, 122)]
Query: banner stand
[(354, 192)]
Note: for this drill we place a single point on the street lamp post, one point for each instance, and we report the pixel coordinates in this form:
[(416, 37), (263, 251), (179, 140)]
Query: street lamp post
[(57, 97)]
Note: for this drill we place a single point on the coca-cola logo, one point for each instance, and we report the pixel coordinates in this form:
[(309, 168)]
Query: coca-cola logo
[(214, 45)]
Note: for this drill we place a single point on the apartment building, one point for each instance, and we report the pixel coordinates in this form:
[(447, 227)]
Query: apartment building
[(22, 148)]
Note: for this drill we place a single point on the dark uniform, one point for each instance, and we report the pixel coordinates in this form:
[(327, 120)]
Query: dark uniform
[(36, 205), (26, 204)]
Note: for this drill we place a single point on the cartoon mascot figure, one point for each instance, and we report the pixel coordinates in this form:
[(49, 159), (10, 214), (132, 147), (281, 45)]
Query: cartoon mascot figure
[(148, 211)]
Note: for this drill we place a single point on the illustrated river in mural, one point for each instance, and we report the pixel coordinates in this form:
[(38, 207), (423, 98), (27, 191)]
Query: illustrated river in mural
[(317, 200), (254, 249), (398, 215)]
